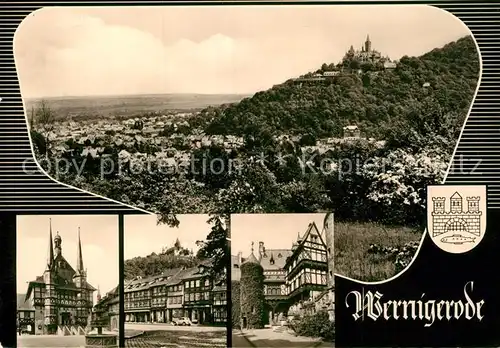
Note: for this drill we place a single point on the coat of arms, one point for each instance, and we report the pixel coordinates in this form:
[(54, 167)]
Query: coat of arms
[(456, 216)]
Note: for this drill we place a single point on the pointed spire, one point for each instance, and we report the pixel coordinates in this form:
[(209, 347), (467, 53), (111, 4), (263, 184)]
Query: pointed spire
[(367, 37), (50, 256), (298, 236), (252, 258), (79, 260)]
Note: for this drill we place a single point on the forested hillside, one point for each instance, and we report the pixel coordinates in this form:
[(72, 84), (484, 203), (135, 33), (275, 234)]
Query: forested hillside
[(375, 99), (155, 263)]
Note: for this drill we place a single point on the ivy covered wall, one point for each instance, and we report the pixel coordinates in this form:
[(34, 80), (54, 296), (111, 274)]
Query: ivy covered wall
[(235, 304), (252, 295)]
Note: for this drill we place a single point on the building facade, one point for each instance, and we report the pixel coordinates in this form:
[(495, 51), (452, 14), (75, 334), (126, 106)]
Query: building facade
[(299, 280), (176, 293), (110, 304), (61, 298)]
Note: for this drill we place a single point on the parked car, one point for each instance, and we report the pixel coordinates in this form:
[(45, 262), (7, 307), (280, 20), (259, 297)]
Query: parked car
[(183, 321)]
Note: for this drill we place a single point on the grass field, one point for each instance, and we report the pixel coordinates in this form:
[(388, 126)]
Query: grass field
[(352, 241), (127, 106)]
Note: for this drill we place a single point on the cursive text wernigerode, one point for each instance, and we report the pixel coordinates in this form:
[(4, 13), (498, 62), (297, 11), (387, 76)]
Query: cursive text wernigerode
[(370, 305)]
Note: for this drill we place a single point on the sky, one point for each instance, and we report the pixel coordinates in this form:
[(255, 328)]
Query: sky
[(99, 238), (277, 231), (143, 236), (76, 51)]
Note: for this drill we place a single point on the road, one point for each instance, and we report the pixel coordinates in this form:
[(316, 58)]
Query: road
[(168, 327), (266, 338), (51, 341), (240, 341), (172, 336)]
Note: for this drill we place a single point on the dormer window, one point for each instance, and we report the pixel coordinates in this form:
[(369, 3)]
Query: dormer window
[(279, 255)]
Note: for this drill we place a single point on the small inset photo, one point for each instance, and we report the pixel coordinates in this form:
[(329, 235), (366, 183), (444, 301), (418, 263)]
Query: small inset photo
[(175, 281), (67, 280), (282, 280)]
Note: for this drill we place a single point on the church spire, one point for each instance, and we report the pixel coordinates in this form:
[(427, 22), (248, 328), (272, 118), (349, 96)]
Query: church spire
[(79, 261), (50, 256)]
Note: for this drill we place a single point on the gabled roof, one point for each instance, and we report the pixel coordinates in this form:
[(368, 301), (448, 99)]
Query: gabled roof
[(275, 259), (312, 227), (65, 275), (456, 195), (23, 304)]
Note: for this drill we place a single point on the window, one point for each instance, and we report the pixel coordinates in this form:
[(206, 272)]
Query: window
[(236, 266)]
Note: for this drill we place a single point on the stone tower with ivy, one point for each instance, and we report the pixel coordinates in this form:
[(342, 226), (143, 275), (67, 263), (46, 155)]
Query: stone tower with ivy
[(252, 293)]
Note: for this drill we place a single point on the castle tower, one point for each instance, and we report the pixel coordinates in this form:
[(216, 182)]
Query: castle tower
[(252, 293), (473, 204), (438, 204), (368, 44), (456, 203), (50, 309), (98, 293)]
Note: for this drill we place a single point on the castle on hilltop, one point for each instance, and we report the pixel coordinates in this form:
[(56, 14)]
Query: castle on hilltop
[(366, 54), (456, 219)]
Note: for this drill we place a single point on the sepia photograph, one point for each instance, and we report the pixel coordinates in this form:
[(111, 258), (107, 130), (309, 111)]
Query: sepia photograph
[(67, 280), (282, 280), (288, 109), (175, 282)]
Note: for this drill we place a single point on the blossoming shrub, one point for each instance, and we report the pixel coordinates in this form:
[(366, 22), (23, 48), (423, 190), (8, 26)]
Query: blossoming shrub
[(399, 181)]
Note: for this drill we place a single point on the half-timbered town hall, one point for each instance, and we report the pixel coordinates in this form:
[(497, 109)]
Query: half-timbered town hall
[(60, 300)]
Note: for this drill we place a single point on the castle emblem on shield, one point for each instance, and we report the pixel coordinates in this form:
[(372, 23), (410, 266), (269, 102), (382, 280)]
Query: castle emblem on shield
[(456, 216)]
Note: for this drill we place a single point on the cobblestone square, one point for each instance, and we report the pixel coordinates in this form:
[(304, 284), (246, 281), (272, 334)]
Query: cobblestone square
[(185, 339)]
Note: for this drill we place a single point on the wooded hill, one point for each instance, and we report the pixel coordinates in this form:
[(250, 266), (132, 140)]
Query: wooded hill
[(154, 264), (373, 100)]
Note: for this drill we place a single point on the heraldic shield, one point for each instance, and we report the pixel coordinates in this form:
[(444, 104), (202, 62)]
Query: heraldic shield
[(456, 216)]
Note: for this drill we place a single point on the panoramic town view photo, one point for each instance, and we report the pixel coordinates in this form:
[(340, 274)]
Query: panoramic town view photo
[(67, 276), (282, 280), (175, 282), (262, 109)]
